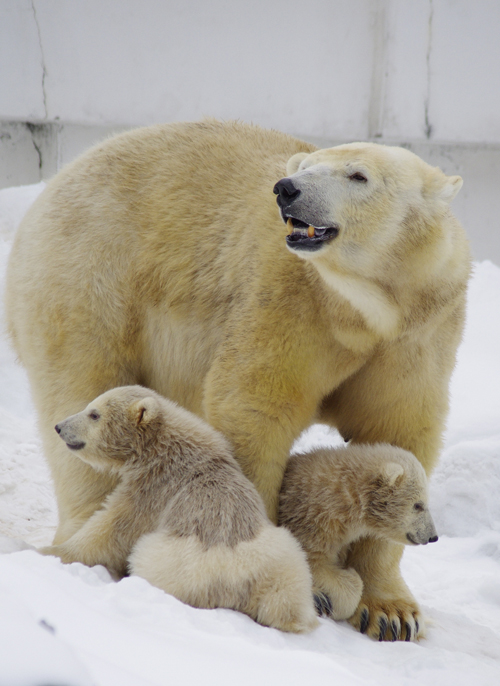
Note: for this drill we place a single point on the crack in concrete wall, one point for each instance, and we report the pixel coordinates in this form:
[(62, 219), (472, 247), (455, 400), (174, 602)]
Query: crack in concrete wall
[(44, 70), (428, 125), (33, 129)]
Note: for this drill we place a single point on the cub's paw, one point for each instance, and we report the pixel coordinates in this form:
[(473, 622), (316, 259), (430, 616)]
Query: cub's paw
[(396, 620), (323, 604), (337, 592)]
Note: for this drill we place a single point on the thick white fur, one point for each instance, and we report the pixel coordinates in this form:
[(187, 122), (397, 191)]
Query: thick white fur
[(199, 298), (264, 578), (331, 498), (366, 297)]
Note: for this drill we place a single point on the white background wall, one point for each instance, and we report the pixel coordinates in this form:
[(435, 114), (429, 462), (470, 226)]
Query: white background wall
[(420, 72)]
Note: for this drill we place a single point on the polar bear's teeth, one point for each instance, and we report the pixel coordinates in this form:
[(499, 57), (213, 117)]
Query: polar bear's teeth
[(303, 231)]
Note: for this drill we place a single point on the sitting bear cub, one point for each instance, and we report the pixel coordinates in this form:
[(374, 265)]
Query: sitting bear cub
[(199, 527), (331, 498)]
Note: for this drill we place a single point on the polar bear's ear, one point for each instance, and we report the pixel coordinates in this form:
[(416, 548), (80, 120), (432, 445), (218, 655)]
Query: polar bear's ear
[(293, 163), (451, 187), (145, 409), (391, 471), (444, 187)]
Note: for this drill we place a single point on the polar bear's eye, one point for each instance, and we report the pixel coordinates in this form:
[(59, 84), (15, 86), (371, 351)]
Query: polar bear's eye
[(418, 507), (358, 177), (94, 415)]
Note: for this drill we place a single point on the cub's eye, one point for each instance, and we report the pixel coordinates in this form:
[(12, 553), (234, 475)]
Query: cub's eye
[(94, 415), (358, 177), (418, 507)]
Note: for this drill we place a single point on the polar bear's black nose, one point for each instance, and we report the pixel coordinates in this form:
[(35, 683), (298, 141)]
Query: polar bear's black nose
[(57, 428), (286, 192), (433, 539)]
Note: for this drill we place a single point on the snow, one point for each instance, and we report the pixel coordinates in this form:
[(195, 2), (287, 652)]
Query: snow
[(69, 625)]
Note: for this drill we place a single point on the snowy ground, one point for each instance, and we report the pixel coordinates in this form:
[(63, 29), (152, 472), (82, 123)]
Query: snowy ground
[(68, 625)]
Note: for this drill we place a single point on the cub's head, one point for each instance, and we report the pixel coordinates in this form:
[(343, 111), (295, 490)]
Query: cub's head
[(349, 203), (113, 428), (398, 501)]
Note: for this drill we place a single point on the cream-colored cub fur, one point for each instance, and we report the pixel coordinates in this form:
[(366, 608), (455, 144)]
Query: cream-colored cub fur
[(266, 578), (199, 527), (331, 498), (161, 257)]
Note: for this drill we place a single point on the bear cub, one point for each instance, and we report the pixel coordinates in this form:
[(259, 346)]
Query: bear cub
[(183, 515), (333, 497)]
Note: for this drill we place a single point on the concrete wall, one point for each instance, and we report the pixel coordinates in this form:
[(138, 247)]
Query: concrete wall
[(423, 73)]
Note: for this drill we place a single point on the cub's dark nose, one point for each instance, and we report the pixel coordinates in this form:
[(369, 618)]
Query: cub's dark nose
[(286, 192), (57, 428), (433, 539)]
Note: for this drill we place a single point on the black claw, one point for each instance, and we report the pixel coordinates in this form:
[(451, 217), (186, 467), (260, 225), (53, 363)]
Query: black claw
[(394, 631), (365, 618), (323, 604), (328, 604), (382, 622), (318, 605), (408, 632), (417, 628)]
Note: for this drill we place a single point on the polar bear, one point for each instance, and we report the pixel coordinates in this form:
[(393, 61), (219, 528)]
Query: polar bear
[(161, 257), (331, 498), (199, 527)]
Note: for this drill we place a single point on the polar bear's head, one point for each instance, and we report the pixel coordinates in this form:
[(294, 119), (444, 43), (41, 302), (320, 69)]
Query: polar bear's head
[(372, 219), (113, 428), (356, 191), (397, 502)]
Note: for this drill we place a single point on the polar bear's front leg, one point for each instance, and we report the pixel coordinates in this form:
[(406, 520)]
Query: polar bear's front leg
[(261, 444), (105, 539), (261, 409), (387, 610)]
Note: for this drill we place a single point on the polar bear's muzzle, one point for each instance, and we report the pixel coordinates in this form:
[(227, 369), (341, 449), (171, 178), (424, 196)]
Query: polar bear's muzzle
[(64, 430), (303, 234)]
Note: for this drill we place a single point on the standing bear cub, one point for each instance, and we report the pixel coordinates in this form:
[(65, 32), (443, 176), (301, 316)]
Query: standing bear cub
[(199, 527), (332, 498)]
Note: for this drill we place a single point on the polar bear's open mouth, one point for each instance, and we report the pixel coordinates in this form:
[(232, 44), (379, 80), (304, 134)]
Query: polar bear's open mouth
[(303, 236)]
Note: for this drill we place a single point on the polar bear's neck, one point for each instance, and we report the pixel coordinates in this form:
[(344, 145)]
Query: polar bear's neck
[(366, 297)]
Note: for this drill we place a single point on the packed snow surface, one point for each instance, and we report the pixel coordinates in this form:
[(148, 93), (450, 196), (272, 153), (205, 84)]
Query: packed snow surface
[(70, 625)]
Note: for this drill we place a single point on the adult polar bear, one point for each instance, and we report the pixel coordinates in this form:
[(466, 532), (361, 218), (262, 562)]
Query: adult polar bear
[(160, 257)]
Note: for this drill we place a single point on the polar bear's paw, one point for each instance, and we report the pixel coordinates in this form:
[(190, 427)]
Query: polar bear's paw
[(389, 620), (323, 604)]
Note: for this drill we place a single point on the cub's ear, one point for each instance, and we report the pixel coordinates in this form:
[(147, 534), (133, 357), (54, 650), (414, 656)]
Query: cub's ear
[(451, 187), (444, 187), (293, 163), (391, 471), (144, 410)]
